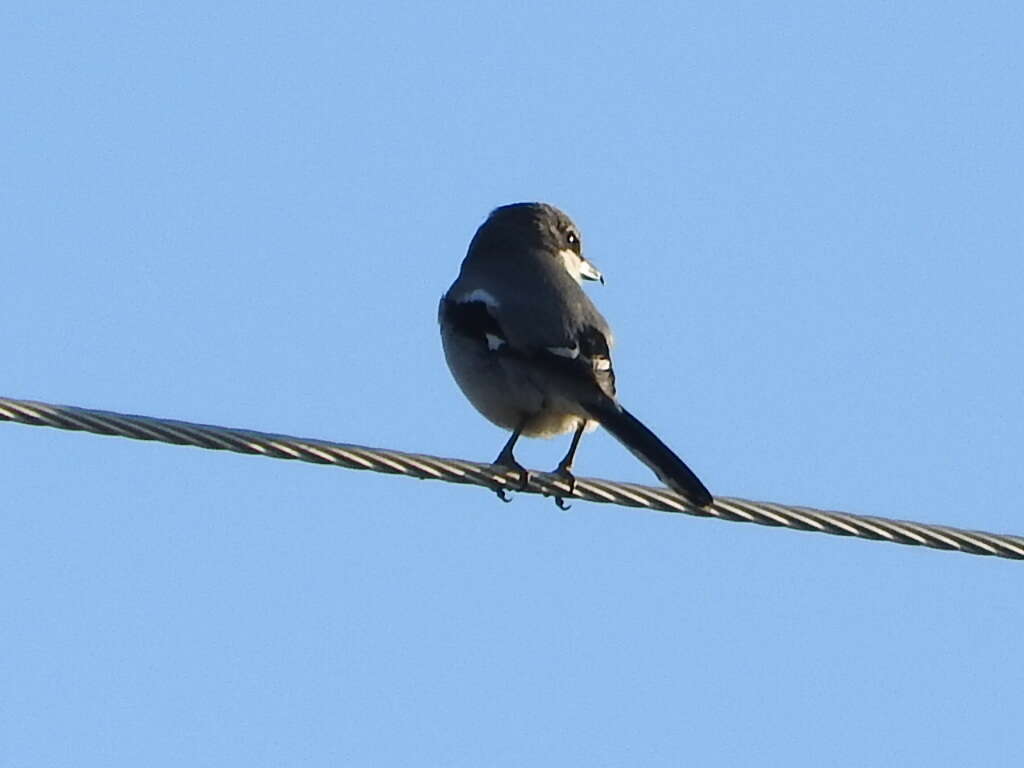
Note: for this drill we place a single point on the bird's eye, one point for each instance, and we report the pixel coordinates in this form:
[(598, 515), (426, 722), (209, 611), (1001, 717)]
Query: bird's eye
[(573, 240)]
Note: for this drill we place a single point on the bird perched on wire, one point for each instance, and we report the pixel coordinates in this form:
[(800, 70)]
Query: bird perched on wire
[(530, 350)]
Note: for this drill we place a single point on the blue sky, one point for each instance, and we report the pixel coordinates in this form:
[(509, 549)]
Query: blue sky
[(811, 223)]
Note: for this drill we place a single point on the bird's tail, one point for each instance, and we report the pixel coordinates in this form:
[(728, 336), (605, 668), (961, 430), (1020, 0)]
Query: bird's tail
[(647, 447)]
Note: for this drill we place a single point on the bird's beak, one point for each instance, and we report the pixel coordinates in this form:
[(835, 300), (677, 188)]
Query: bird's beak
[(589, 272)]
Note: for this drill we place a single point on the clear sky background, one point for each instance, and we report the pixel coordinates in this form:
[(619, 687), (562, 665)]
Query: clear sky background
[(811, 221)]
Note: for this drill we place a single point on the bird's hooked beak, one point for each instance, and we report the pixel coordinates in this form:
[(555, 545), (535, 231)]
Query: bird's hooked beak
[(589, 272), (579, 268)]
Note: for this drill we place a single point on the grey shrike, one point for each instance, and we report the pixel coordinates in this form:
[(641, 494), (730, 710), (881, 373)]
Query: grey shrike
[(530, 350)]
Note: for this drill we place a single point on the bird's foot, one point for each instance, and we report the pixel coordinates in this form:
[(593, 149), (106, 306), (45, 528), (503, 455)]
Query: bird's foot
[(564, 471), (505, 464)]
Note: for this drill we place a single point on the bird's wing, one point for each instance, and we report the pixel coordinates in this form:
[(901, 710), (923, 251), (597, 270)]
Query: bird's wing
[(569, 349)]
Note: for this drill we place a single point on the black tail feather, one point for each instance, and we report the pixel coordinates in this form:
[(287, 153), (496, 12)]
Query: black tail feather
[(647, 447)]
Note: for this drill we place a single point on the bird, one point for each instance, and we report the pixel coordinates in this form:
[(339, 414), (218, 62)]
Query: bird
[(530, 350)]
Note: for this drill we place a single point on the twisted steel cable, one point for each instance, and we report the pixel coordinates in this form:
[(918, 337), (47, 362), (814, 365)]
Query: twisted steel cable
[(473, 473)]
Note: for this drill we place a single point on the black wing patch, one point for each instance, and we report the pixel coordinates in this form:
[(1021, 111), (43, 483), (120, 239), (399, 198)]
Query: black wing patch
[(593, 344), (472, 319), (588, 359)]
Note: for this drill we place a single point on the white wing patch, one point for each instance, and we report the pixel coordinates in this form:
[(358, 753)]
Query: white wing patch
[(598, 362), (570, 352), (479, 294), (494, 342)]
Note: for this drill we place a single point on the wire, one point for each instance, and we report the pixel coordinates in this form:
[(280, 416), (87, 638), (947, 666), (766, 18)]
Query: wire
[(473, 473)]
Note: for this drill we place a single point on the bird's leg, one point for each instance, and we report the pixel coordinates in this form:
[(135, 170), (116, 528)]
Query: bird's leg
[(564, 468), (508, 461)]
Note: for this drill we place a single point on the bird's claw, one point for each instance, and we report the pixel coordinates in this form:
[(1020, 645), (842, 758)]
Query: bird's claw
[(570, 480), (505, 467)]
